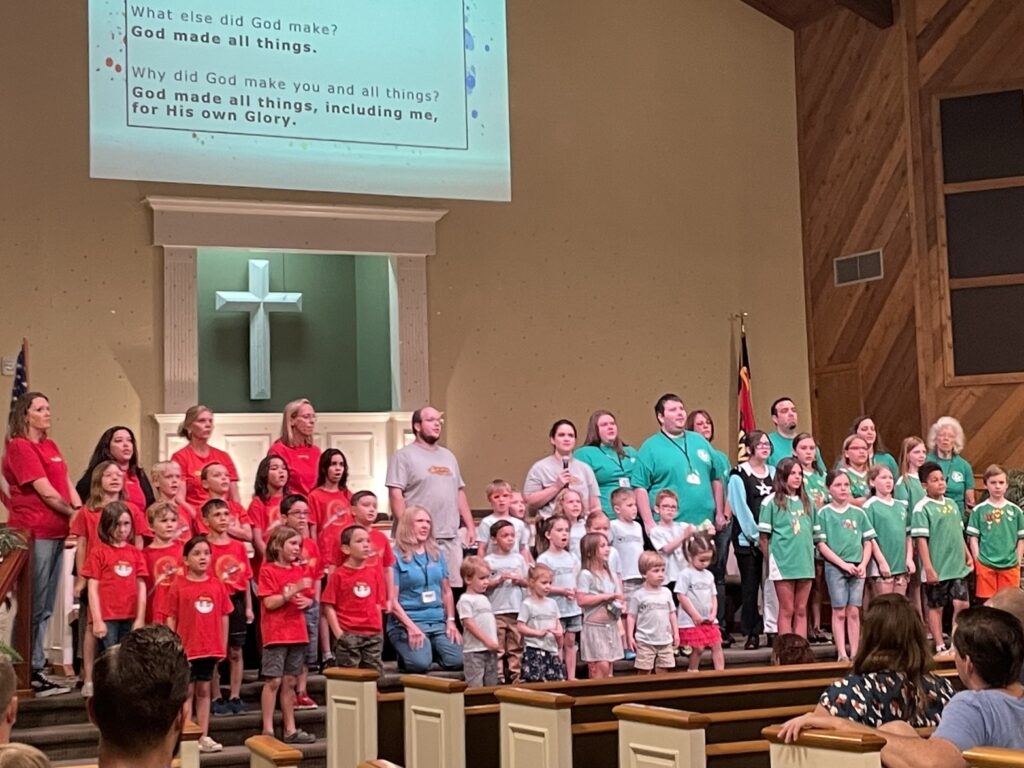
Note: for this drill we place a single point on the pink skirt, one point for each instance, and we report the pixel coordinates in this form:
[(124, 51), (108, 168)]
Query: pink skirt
[(704, 635)]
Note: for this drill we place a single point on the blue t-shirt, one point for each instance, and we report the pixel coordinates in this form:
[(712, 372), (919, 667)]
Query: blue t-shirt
[(983, 719), (419, 586)]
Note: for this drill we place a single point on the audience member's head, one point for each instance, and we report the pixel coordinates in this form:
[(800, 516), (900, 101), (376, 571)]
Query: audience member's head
[(1010, 600), (22, 756), (893, 639), (791, 649), (140, 687), (8, 701), (989, 645)]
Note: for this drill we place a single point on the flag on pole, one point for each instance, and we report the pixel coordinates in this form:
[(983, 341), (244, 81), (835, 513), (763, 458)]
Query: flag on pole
[(20, 386), (744, 400)]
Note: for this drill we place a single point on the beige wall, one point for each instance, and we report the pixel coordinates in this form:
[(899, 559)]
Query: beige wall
[(655, 191)]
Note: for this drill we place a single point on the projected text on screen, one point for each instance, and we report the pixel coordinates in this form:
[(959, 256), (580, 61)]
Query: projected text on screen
[(405, 97)]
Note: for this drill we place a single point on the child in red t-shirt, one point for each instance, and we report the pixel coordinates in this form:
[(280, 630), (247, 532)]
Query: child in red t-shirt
[(166, 479), (217, 484), (265, 507), (230, 562), (286, 591), (163, 558), (116, 579), (197, 608), (295, 513), (331, 498), (353, 601), (382, 556)]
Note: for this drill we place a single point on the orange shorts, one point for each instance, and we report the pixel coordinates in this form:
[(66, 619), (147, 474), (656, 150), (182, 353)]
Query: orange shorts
[(988, 581)]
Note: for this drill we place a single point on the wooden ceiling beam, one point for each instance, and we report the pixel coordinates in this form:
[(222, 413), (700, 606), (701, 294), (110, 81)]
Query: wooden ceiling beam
[(878, 12)]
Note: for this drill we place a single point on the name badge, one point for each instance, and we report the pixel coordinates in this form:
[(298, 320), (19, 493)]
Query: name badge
[(693, 478), (624, 482), (430, 596)]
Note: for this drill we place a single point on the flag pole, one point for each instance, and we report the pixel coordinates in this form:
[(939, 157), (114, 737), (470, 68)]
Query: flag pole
[(24, 346)]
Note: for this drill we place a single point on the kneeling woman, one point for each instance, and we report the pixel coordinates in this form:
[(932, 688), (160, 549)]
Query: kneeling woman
[(422, 625)]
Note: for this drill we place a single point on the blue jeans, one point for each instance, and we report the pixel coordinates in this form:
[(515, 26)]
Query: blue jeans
[(117, 630), (47, 557), (436, 645), (843, 589)]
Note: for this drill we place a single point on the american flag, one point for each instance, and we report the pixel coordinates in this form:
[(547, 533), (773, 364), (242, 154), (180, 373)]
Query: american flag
[(20, 386)]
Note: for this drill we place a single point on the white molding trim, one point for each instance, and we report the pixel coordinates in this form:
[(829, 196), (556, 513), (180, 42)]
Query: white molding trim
[(182, 225)]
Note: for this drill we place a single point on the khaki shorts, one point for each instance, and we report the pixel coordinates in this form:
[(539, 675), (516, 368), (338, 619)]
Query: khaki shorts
[(651, 656), (452, 551)]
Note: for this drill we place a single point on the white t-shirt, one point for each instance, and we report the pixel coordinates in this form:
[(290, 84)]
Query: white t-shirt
[(566, 569), (699, 588), (628, 541), (507, 596), (539, 613), (661, 535), (478, 608), (483, 533), (576, 534), (652, 609)]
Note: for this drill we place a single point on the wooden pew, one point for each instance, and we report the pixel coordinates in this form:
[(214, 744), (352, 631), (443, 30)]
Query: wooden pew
[(435, 724), (536, 729), (268, 752), (188, 745), (378, 764), (666, 737), (351, 717), (836, 749), (992, 757)]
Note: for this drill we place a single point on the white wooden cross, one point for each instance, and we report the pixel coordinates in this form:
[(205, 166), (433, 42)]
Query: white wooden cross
[(259, 302)]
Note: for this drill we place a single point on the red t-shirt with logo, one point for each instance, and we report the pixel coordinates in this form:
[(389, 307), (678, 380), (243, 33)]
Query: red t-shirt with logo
[(86, 523), (358, 595), (24, 463), (163, 566), (287, 624), (324, 506), (303, 465), (117, 569), (199, 608), (192, 469), (229, 562), (266, 515)]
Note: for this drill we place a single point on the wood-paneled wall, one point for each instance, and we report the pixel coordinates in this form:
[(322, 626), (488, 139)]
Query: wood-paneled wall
[(864, 101)]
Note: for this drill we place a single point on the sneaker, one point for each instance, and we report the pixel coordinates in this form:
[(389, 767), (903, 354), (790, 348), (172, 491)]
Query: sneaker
[(685, 650), (86, 690), (206, 744), (299, 737), (329, 662), (43, 686), (235, 706), (303, 701), (629, 655), (220, 707)]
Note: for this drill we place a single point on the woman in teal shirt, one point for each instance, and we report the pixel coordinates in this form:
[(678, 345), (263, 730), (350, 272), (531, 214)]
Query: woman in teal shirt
[(864, 426), (945, 442), (610, 458)]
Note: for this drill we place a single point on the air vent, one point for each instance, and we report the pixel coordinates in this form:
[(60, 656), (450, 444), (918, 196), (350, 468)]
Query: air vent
[(858, 268)]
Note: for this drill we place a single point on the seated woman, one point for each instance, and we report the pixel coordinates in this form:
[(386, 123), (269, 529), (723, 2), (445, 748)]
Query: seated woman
[(422, 624), (891, 679)]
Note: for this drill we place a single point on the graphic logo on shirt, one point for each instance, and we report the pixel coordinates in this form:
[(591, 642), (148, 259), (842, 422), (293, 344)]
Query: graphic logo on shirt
[(949, 508), (995, 517), (204, 604), (956, 477), (165, 569), (123, 569), (795, 524), (442, 471), (227, 568), (850, 524), (703, 455), (361, 590)]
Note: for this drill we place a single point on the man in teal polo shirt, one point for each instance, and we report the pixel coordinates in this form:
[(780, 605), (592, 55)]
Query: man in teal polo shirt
[(681, 461), (786, 428)]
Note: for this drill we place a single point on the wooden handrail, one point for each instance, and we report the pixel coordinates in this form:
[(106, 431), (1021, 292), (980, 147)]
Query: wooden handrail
[(994, 757), (16, 575), (272, 750), (736, 748), (674, 718), (840, 741), (191, 732), (716, 690), (436, 684), (540, 699), (378, 764), (351, 673), (677, 718)]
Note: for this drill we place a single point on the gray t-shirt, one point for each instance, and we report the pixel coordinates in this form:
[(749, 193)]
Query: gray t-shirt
[(507, 597), (653, 611), (594, 584), (483, 533), (628, 541), (478, 608), (983, 719), (430, 478), (566, 567), (545, 473), (539, 614), (699, 588)]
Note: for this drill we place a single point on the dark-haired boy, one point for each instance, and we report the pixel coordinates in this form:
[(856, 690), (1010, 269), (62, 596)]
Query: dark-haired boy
[(938, 529), (353, 601)]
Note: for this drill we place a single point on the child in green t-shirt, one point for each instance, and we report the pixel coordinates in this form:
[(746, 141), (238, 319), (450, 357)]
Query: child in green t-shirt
[(843, 536), (995, 533), (938, 529)]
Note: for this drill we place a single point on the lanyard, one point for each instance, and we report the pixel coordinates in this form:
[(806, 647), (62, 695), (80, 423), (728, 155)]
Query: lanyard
[(683, 449), (615, 455), (424, 565)]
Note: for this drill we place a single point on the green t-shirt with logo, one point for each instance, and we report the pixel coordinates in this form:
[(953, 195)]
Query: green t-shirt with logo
[(685, 464), (909, 489), (858, 482), (939, 521), (817, 491), (844, 531), (959, 478), (997, 530), (891, 521), (791, 532), (611, 470)]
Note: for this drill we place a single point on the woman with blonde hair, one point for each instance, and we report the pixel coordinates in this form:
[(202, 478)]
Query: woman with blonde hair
[(22, 756), (295, 445), (945, 443), (422, 627), (197, 427)]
